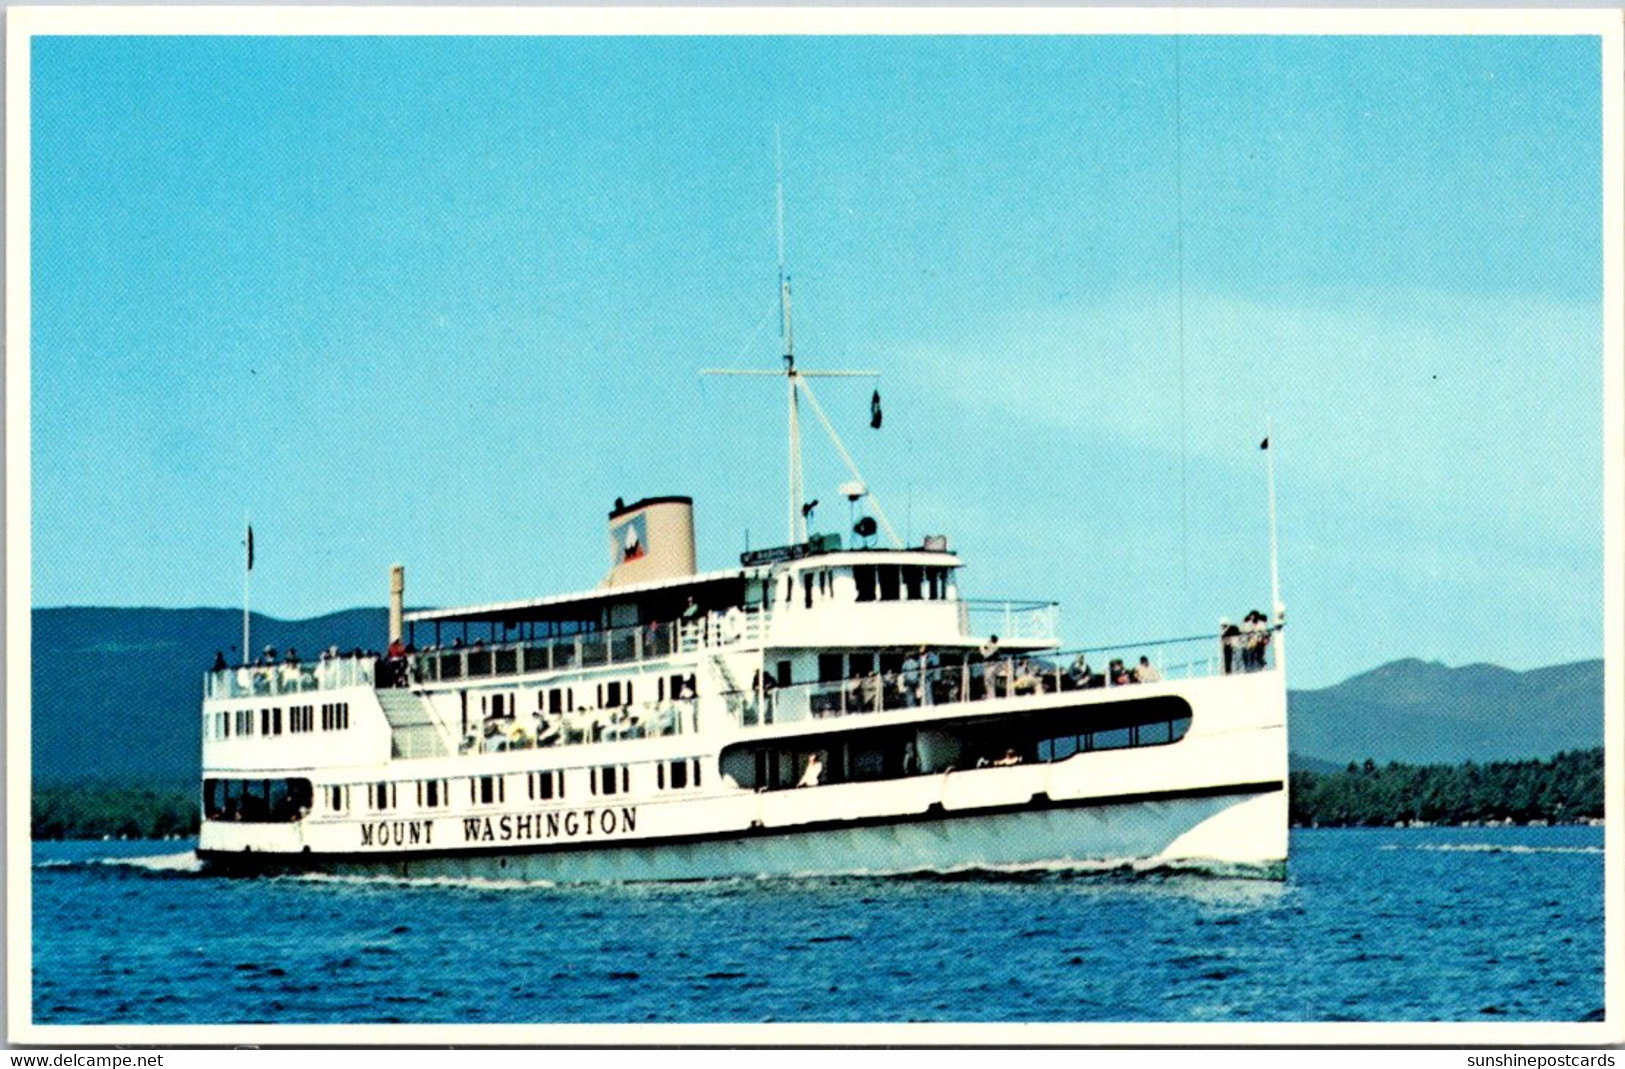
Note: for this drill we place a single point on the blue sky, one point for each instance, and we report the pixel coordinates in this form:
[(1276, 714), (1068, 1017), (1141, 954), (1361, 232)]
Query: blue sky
[(443, 300)]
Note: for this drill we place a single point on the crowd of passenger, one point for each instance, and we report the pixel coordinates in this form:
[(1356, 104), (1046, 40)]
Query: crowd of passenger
[(1245, 646), (923, 678)]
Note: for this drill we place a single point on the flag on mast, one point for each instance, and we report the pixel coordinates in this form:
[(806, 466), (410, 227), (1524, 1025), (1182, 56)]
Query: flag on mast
[(250, 544), (874, 410), (1265, 444)]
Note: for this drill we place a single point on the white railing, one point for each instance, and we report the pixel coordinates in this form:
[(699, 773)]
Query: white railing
[(1027, 620), (329, 673), (588, 649), (976, 679)]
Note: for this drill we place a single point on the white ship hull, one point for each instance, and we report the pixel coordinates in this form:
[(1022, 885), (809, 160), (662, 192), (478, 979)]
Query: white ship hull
[(1214, 800), (1230, 833)]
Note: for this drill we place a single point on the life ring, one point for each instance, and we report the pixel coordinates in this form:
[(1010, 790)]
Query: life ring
[(733, 625)]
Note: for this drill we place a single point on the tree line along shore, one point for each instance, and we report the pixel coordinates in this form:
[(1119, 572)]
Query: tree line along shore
[(1565, 789)]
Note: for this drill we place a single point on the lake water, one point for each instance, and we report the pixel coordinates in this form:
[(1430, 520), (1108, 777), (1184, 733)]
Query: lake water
[(1451, 924)]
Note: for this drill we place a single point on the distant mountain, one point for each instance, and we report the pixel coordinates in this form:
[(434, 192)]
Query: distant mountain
[(1422, 712), (117, 691), (116, 695)]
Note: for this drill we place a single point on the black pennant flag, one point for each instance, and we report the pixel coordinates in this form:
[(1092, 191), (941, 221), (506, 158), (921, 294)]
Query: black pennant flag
[(250, 547), (1265, 444), (874, 411)]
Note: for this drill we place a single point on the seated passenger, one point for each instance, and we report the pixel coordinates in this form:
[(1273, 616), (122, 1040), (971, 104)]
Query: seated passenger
[(1147, 672), (1010, 758), (813, 773)]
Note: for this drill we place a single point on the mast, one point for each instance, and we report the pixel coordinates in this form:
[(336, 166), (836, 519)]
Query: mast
[(796, 524), (796, 384)]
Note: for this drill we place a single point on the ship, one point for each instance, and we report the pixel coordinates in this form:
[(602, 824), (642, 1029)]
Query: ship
[(835, 704)]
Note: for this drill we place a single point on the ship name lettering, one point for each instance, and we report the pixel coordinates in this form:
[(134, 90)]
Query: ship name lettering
[(529, 827), (397, 833)]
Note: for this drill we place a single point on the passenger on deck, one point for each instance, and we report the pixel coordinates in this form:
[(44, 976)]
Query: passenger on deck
[(1010, 758), (219, 662), (1147, 672), (1079, 675), (1119, 674), (1230, 644), (813, 773)]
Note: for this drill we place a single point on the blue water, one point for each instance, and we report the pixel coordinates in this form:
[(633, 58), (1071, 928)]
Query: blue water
[(1371, 925)]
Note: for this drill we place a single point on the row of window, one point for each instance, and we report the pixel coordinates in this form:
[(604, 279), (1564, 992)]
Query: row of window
[(874, 582), (900, 582), (602, 781), (301, 720), (605, 694)]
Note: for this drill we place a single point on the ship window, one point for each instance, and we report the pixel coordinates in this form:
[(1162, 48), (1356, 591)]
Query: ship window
[(487, 790), (660, 776), (696, 772), (381, 796), (338, 799), (784, 673), (887, 573), (806, 588), (265, 721), (911, 581), (542, 785), (608, 781), (864, 575), (257, 801), (679, 775), (276, 721), (1110, 739), (611, 697), (829, 667)]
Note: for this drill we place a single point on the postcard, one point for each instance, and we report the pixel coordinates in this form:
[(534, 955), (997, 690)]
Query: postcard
[(806, 526)]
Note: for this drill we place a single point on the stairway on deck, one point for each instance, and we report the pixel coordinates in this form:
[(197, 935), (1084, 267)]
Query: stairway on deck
[(414, 732)]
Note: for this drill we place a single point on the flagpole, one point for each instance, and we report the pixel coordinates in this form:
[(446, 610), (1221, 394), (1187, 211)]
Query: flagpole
[(1276, 608)]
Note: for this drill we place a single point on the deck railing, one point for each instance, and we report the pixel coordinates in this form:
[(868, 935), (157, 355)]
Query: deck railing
[(589, 649), (1007, 675), (328, 673), (1029, 620)]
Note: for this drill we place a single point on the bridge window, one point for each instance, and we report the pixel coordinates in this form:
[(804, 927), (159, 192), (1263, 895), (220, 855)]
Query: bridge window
[(887, 574), (245, 721), (336, 716), (301, 719), (912, 575), (864, 576)]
